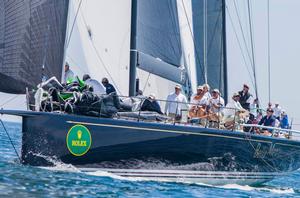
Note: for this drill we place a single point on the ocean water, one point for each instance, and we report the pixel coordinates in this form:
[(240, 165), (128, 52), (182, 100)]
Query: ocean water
[(64, 180)]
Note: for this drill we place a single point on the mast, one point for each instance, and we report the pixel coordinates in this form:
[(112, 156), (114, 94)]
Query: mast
[(133, 51), (224, 50), (205, 39)]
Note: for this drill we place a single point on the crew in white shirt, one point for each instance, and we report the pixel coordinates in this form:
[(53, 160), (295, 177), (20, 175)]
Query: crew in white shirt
[(69, 75), (176, 102), (233, 109), (98, 88), (206, 91), (216, 102), (277, 111), (199, 98)]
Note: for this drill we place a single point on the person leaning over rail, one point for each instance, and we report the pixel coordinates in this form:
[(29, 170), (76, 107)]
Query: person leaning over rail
[(234, 112), (176, 102), (151, 104), (268, 120)]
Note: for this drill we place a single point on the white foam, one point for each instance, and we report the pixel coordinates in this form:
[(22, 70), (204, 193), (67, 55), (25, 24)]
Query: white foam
[(262, 189)]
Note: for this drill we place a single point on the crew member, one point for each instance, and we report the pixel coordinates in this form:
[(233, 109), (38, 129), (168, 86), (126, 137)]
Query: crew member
[(268, 120), (233, 112), (150, 104), (69, 75), (277, 111), (245, 97), (199, 103), (109, 87), (98, 88), (206, 88), (176, 102)]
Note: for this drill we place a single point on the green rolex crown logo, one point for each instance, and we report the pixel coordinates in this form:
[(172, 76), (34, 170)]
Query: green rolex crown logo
[(79, 140)]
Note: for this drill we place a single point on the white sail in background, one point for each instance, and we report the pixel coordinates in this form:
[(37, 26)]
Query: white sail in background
[(185, 17), (102, 31), (99, 43)]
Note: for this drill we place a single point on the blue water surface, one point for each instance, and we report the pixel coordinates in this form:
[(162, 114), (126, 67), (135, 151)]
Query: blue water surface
[(64, 180)]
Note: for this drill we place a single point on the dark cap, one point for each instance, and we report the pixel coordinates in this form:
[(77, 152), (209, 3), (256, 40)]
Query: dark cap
[(245, 85), (104, 80), (85, 77), (270, 110)]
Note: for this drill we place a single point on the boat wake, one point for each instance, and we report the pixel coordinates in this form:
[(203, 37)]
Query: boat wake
[(260, 189), (100, 172)]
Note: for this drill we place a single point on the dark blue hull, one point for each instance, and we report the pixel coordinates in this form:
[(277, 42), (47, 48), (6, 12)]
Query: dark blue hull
[(125, 144)]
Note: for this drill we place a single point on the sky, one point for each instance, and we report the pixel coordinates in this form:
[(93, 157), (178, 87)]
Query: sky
[(284, 53)]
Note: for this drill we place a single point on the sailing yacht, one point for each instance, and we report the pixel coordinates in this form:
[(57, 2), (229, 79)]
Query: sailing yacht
[(161, 43)]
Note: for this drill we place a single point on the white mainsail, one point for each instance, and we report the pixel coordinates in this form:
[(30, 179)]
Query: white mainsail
[(100, 43)]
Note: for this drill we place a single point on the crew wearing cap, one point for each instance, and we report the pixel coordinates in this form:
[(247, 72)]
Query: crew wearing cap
[(68, 75), (199, 98), (216, 102), (277, 111), (98, 88), (206, 88), (176, 102), (268, 120), (150, 104), (284, 121), (233, 111), (245, 97), (199, 102)]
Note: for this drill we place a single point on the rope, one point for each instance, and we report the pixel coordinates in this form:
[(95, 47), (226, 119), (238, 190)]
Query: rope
[(252, 49), (99, 57), (73, 23), (242, 31), (240, 46), (148, 77), (11, 142), (193, 38)]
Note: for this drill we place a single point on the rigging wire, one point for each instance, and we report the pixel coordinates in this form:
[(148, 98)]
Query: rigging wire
[(99, 57), (205, 39), (269, 53), (73, 24), (147, 81), (240, 46), (242, 30), (252, 48), (11, 142), (193, 39)]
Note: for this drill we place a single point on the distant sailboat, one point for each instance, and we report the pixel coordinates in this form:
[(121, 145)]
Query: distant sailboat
[(165, 39)]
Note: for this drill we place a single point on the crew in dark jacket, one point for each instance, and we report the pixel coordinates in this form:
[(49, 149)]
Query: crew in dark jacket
[(245, 97), (109, 87), (268, 120), (150, 104)]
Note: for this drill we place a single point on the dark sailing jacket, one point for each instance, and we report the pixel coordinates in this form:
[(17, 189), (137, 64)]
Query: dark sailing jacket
[(243, 100)]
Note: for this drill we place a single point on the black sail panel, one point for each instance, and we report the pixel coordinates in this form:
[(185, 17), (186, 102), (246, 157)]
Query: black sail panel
[(31, 31), (158, 38), (215, 41)]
